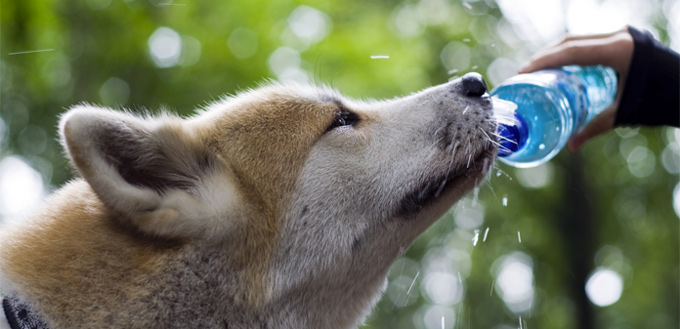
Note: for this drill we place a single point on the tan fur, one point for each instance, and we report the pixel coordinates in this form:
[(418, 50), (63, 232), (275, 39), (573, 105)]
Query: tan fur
[(253, 213)]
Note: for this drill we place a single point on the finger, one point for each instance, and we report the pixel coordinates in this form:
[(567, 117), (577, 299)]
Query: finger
[(576, 37), (604, 49), (600, 124), (581, 52)]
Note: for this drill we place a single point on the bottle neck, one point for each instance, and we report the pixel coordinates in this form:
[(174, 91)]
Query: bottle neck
[(512, 137)]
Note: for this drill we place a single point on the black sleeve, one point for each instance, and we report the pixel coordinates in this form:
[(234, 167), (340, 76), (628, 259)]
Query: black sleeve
[(651, 95)]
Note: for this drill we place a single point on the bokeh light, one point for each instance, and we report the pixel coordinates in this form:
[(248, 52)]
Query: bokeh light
[(165, 47), (515, 281), (456, 56), (21, 187), (242, 43), (114, 92), (676, 199), (309, 24), (537, 21), (286, 63), (443, 288), (672, 8), (536, 177), (438, 317), (604, 287), (468, 214)]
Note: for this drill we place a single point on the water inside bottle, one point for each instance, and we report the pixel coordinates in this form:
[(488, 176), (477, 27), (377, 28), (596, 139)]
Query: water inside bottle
[(600, 83), (540, 123)]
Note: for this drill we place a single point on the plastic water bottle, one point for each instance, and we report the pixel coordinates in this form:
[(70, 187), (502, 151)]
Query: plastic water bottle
[(551, 106)]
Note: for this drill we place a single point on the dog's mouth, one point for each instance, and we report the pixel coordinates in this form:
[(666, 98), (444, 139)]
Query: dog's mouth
[(414, 202)]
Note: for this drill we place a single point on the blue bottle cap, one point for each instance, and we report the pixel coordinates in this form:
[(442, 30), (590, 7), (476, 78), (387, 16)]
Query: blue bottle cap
[(512, 137)]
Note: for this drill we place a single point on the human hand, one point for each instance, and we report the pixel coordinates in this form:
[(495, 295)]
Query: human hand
[(612, 49)]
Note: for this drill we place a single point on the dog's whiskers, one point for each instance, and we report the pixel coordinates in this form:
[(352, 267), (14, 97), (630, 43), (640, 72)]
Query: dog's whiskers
[(504, 138), (489, 139)]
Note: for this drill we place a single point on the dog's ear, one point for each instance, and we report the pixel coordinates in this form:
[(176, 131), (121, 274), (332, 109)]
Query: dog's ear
[(152, 172)]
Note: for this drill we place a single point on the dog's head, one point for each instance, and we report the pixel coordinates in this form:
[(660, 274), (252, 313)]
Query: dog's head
[(303, 183)]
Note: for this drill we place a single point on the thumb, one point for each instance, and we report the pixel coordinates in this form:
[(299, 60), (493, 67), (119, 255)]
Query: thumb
[(601, 123)]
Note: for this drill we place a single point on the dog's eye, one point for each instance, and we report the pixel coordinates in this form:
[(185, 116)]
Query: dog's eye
[(344, 118)]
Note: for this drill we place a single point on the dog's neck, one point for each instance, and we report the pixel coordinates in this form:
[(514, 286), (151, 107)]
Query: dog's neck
[(18, 314)]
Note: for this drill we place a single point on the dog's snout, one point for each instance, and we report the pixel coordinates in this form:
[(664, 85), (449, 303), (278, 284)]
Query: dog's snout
[(473, 85)]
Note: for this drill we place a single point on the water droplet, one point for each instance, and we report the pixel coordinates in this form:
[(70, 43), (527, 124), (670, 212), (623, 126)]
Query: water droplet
[(542, 146), (486, 232), (519, 237), (475, 238), (475, 195), (408, 292), (505, 201)]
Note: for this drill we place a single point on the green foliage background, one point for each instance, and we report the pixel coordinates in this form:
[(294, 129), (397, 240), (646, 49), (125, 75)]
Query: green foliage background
[(610, 206)]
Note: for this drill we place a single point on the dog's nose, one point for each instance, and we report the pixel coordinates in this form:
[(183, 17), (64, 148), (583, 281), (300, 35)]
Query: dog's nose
[(473, 85)]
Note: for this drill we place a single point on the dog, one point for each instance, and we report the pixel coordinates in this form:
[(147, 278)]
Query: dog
[(280, 207)]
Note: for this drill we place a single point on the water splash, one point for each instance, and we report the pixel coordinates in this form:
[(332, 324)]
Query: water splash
[(172, 4), (408, 292), (504, 111), (30, 52), (475, 195), (475, 238)]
